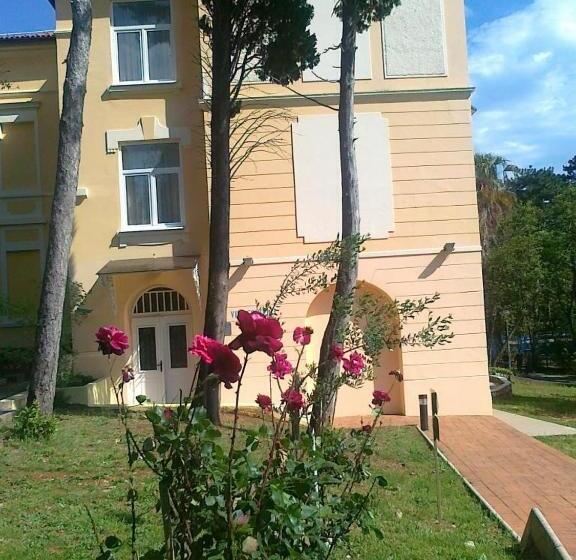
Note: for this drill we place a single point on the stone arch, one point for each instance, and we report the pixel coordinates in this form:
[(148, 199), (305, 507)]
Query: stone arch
[(353, 402)]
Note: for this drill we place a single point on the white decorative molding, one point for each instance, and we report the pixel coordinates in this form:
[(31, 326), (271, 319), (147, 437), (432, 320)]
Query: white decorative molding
[(12, 115), (365, 255), (328, 30), (148, 128), (318, 181), (414, 40), (82, 193), (314, 99)]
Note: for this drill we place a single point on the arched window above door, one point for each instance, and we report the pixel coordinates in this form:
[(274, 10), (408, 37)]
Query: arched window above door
[(160, 300)]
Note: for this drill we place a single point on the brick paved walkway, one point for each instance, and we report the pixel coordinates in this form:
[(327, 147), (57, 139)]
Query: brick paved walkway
[(514, 472)]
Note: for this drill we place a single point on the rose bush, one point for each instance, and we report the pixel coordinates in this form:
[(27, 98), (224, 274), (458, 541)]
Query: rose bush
[(275, 496), (283, 491)]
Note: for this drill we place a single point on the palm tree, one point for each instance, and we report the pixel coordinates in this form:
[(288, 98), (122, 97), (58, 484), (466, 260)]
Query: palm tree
[(494, 200)]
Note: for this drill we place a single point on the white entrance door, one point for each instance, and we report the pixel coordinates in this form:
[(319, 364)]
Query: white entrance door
[(162, 364)]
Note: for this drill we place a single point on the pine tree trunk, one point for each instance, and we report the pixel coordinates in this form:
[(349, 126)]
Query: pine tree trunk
[(219, 264), (50, 312), (348, 267)]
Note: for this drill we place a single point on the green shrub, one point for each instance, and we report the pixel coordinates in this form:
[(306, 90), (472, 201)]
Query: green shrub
[(70, 379), (502, 372), (29, 424), (13, 358)]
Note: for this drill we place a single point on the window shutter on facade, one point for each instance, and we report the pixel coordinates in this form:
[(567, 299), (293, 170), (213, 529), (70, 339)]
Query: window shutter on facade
[(23, 277), (414, 41), (18, 156), (318, 183), (328, 30)]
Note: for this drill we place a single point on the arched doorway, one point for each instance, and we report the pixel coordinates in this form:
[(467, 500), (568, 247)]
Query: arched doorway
[(161, 328), (354, 402)]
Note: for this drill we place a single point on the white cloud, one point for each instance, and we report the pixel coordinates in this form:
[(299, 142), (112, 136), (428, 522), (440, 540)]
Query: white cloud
[(542, 56), (524, 69)]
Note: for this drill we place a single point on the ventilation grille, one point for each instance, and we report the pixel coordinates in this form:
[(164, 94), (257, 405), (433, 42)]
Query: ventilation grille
[(160, 300)]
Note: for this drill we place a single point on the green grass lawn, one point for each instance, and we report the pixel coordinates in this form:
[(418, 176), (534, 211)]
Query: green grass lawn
[(539, 399), (546, 401), (46, 487)]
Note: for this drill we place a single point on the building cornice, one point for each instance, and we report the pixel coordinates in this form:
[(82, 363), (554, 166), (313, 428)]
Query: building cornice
[(364, 255), (332, 99)]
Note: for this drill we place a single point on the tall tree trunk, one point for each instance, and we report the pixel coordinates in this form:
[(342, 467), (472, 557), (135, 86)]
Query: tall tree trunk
[(50, 312), (348, 267), (219, 265)]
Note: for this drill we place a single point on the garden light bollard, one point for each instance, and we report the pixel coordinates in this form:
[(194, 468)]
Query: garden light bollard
[(423, 400), (436, 436)]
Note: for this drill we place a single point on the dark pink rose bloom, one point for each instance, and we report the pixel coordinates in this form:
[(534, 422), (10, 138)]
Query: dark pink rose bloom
[(264, 402), (337, 352), (293, 399), (127, 374), (280, 366), (111, 340), (258, 333), (222, 361), (302, 335), (380, 397), (367, 428), (354, 364), (168, 414)]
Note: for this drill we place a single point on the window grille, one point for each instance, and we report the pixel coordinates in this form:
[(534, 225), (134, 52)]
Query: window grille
[(160, 300)]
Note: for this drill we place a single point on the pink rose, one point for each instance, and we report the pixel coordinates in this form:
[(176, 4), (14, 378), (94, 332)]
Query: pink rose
[(293, 399), (380, 397), (354, 364), (302, 335), (111, 340), (222, 361), (258, 333), (127, 374), (264, 402), (280, 366), (337, 352), (168, 414)]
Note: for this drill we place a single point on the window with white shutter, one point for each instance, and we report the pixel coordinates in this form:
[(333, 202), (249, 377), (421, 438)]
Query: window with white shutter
[(414, 41), (328, 30), (318, 183)]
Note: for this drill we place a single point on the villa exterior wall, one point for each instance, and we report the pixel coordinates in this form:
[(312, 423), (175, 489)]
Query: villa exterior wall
[(425, 115), (29, 124)]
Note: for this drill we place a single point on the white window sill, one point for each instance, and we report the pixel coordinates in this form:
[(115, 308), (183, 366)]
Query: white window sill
[(148, 237), (152, 229), (141, 88)]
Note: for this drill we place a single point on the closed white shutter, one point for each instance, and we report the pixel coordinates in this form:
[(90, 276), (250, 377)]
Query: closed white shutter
[(414, 39), (318, 182), (328, 30)]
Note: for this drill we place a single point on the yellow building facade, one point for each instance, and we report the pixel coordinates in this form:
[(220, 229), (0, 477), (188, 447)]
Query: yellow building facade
[(142, 215)]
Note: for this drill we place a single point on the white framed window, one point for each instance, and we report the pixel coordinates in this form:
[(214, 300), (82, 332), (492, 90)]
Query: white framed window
[(142, 43), (151, 190)]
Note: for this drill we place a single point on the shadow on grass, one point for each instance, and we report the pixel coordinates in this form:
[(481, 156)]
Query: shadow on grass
[(79, 410), (541, 405)]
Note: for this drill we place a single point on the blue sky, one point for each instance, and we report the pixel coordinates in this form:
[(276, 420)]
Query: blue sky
[(522, 56)]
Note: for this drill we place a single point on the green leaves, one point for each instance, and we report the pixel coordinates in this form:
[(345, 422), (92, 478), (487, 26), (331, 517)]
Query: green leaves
[(141, 399), (112, 542), (364, 12), (381, 481)]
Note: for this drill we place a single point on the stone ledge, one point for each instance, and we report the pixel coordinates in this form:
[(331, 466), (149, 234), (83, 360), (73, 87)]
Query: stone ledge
[(539, 535)]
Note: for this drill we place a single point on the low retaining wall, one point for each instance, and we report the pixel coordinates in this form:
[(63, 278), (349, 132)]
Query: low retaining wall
[(540, 537)]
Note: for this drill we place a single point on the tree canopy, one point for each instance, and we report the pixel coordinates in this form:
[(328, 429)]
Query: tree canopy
[(530, 263)]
